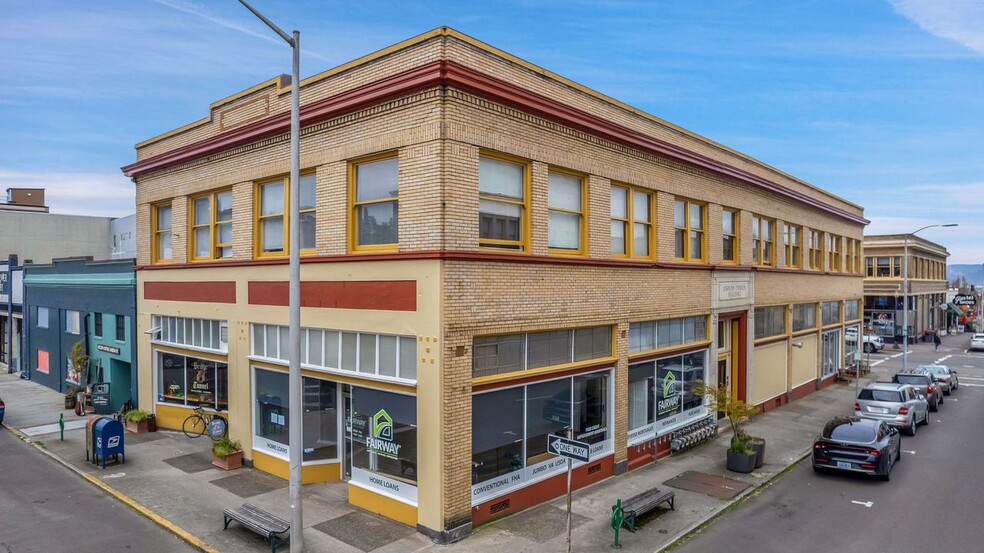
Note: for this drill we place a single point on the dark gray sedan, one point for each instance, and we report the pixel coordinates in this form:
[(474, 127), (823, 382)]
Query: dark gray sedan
[(857, 445)]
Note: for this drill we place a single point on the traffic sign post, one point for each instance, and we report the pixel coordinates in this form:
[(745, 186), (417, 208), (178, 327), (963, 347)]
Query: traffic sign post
[(572, 449)]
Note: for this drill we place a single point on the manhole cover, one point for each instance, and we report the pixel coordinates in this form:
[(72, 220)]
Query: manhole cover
[(708, 484)]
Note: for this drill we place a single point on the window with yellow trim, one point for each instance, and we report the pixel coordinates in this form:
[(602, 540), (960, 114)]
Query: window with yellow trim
[(565, 212), (162, 233), (833, 252), (816, 251), (729, 236), (211, 226), (502, 203), (376, 205), (763, 241), (272, 218), (792, 240), (688, 230), (632, 222)]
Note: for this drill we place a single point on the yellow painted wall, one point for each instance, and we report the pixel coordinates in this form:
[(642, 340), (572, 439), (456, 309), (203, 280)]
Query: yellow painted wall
[(389, 508), (803, 362), (767, 377), (310, 474)]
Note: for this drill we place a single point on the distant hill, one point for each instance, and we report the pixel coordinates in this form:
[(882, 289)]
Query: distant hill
[(973, 273)]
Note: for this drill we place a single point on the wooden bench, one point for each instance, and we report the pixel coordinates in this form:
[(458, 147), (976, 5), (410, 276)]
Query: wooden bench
[(259, 521), (641, 504)]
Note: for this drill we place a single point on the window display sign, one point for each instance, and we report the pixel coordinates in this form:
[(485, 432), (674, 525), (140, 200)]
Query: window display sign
[(383, 445)]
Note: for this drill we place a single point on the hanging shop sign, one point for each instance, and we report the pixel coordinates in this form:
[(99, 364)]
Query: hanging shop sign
[(965, 299), (108, 349)]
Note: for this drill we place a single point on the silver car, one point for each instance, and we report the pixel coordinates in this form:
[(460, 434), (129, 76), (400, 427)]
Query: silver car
[(944, 375), (924, 384), (899, 405)]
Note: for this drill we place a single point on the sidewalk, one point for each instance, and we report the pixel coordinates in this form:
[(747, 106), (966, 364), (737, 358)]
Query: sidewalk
[(169, 477)]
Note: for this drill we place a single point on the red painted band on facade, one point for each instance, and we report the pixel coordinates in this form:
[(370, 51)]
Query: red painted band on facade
[(382, 295), (205, 292)]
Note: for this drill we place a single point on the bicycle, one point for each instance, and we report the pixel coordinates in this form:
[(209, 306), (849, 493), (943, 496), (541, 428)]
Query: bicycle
[(198, 425)]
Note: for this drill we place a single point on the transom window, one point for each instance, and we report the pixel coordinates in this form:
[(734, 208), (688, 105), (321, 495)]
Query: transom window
[(688, 233), (770, 321), (518, 352), (565, 218), (792, 241), (830, 312), (804, 316), (211, 226), (632, 222), (375, 206), (183, 331), (162, 233), (650, 335), (763, 241), (502, 203), (273, 221), (729, 235)]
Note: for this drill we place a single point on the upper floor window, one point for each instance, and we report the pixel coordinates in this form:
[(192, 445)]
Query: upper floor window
[(502, 203), (763, 241), (792, 240), (273, 220), (162, 233), (42, 317), (688, 230), (565, 219), (211, 227), (375, 206), (632, 222), (833, 252), (120, 328), (72, 321), (97, 319), (729, 236), (816, 251)]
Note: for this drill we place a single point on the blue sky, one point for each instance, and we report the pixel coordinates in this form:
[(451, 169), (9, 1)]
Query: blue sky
[(880, 102)]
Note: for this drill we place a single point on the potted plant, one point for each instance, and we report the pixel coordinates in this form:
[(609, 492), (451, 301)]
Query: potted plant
[(741, 456), (227, 453), (79, 362), (136, 420)]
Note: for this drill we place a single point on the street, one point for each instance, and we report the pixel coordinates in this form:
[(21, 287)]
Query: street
[(930, 504), (46, 508)]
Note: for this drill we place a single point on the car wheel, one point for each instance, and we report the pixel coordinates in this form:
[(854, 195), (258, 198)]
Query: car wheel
[(934, 406), (941, 398), (898, 453), (868, 348), (912, 425), (925, 418)]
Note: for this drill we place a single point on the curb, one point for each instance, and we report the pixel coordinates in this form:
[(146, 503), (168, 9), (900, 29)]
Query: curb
[(141, 509)]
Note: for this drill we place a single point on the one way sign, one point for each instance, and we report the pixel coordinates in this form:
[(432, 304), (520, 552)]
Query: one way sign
[(568, 448)]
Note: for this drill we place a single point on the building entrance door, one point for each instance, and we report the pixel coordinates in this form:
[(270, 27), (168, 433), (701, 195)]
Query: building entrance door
[(731, 352), (346, 450)]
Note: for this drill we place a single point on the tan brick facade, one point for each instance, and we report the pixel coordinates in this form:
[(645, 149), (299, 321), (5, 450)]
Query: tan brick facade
[(438, 135)]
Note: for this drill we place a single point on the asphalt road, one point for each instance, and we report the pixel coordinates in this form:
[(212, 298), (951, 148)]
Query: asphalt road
[(931, 504), (46, 508)]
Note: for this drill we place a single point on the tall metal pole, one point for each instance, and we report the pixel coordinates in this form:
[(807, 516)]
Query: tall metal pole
[(905, 304), (295, 398)]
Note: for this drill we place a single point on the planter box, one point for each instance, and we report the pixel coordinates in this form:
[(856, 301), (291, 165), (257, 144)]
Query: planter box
[(70, 402), (741, 462), (758, 444), (233, 461), (137, 427)]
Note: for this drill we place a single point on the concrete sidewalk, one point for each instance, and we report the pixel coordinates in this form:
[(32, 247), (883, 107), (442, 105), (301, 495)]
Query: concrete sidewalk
[(168, 477)]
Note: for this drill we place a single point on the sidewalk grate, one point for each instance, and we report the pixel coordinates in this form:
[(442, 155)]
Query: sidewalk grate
[(192, 462), (708, 484), (248, 483), (363, 531)]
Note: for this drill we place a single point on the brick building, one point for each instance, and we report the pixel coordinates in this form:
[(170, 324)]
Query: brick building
[(490, 252)]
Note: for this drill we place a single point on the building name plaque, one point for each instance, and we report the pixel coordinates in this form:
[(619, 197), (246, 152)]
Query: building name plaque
[(732, 290)]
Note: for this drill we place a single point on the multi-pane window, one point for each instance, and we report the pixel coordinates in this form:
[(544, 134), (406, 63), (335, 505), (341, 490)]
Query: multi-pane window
[(830, 312), (518, 352), (565, 218), (770, 321), (816, 251), (729, 236), (273, 220), (211, 226), (502, 203), (688, 230), (200, 333), (852, 258), (792, 242), (632, 222), (833, 252), (375, 206), (97, 319), (650, 335), (804, 316), (851, 310), (72, 322), (120, 328), (162, 233), (763, 241)]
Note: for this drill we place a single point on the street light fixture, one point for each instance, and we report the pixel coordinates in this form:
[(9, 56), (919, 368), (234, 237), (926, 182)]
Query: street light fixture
[(905, 292), (295, 436)]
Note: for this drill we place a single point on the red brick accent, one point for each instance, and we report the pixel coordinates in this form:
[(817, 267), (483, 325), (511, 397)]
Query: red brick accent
[(205, 292), (801, 392), (388, 295)]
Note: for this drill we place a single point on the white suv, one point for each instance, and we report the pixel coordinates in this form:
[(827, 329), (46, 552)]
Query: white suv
[(977, 342), (872, 342)]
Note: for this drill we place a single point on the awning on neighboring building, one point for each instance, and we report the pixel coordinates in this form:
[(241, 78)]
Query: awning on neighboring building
[(955, 309)]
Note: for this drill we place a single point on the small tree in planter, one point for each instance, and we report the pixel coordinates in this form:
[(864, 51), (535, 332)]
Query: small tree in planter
[(136, 420), (227, 453), (741, 456), (80, 366)]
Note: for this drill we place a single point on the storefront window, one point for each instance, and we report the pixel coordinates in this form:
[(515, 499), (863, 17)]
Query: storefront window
[(384, 434), (662, 391), (548, 411), (497, 434), (192, 381), (272, 416), (642, 390), (590, 417)]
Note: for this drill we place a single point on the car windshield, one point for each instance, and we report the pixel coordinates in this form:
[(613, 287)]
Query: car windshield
[(936, 370), (916, 379), (881, 395), (848, 430)]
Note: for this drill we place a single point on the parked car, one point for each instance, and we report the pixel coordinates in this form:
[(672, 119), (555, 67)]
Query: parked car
[(944, 375), (2, 409), (898, 405), (857, 445), (925, 384), (977, 342)]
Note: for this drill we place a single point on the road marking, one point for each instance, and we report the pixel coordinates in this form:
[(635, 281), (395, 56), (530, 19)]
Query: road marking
[(867, 504), (909, 451), (879, 362), (972, 378), (942, 359), (116, 475), (969, 367), (962, 384)]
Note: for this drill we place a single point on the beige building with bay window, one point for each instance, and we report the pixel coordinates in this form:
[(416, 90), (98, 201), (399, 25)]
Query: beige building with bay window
[(490, 253)]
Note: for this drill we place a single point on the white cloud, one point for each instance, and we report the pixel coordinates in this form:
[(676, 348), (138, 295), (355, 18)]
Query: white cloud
[(960, 21), (97, 194)]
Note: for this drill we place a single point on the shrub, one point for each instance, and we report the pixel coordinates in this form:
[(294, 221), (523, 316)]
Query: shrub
[(137, 415), (225, 446)]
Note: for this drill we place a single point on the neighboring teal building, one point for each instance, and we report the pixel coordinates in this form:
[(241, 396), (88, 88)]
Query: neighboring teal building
[(77, 299)]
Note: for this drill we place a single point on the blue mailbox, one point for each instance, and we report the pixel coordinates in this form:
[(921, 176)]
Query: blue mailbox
[(107, 437)]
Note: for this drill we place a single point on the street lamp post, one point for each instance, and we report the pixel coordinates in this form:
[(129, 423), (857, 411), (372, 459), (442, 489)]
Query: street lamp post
[(295, 435), (905, 292)]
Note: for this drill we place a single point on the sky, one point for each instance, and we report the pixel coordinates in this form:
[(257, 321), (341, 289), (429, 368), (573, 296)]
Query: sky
[(880, 102)]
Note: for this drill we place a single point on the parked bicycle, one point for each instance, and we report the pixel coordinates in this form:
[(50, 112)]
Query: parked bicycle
[(199, 423)]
